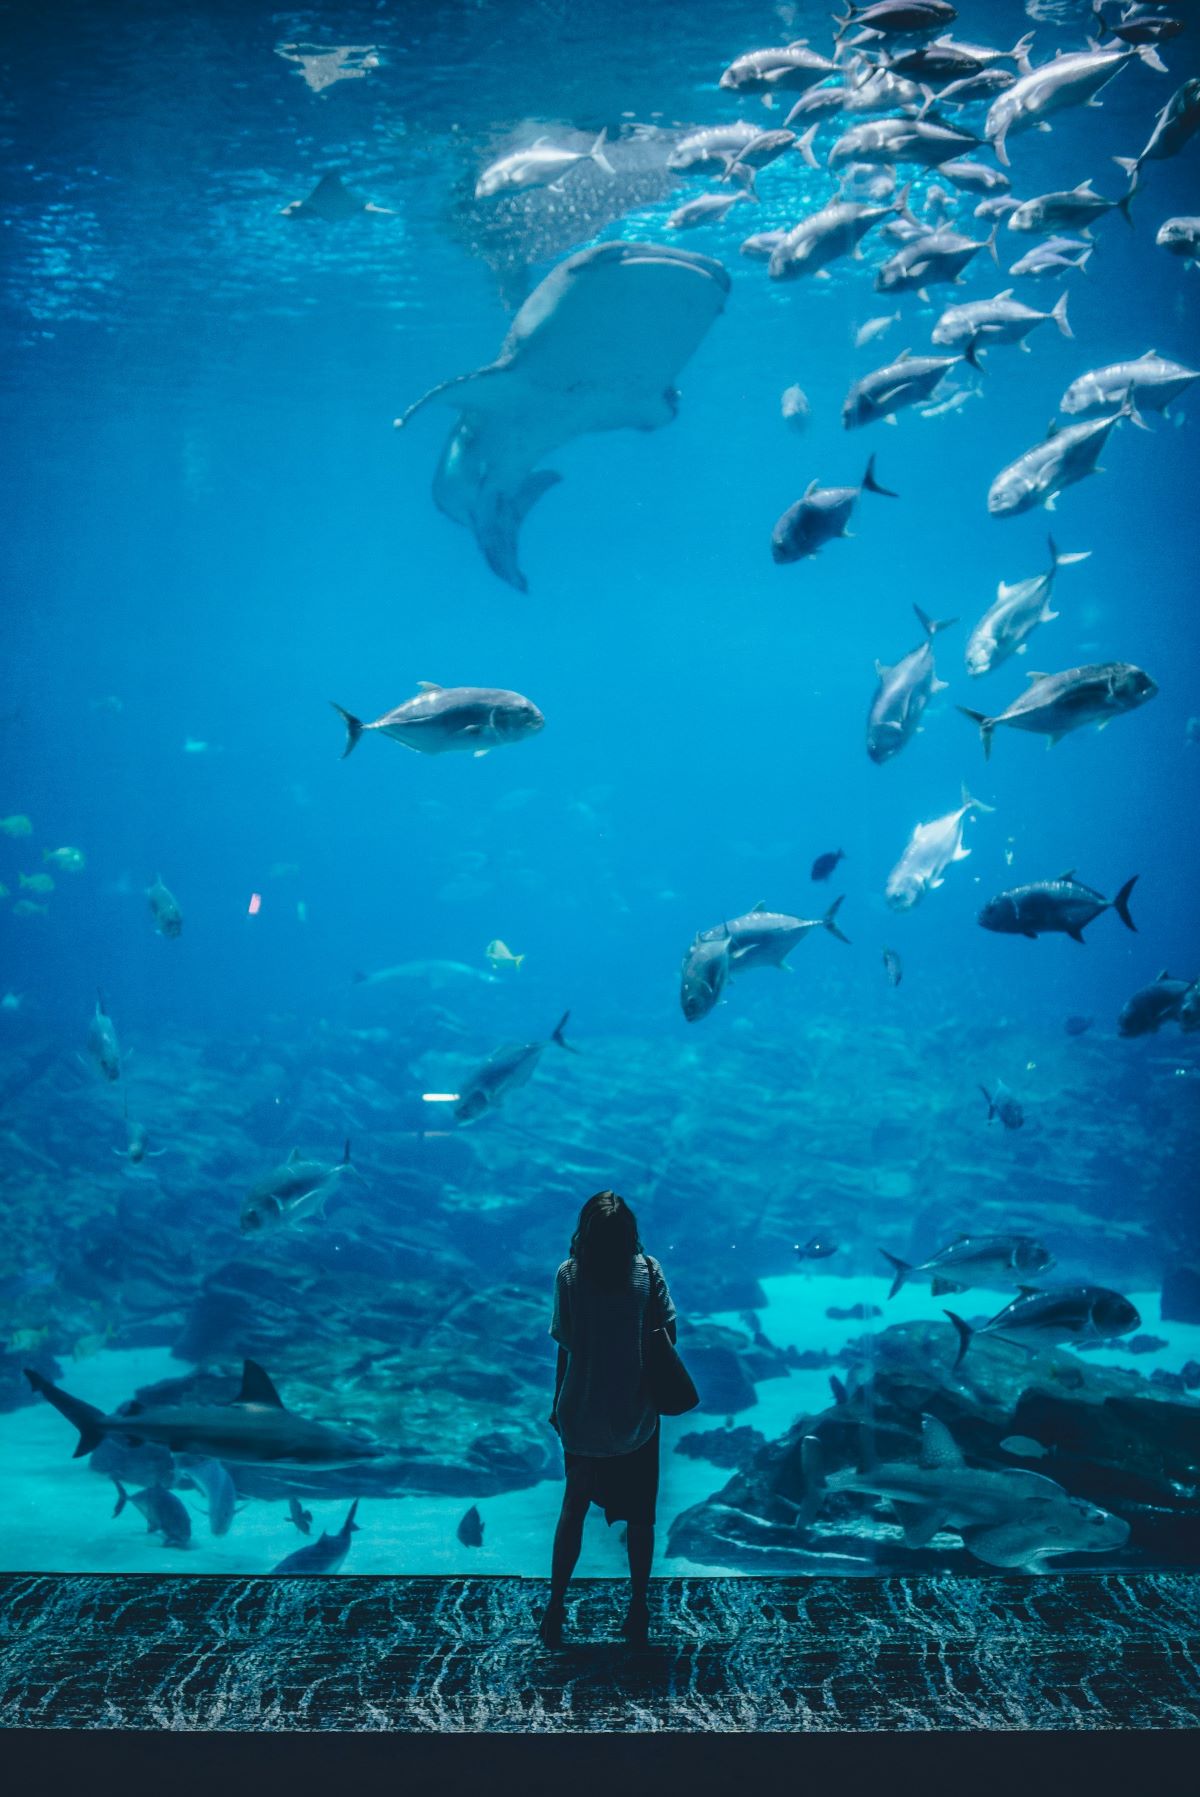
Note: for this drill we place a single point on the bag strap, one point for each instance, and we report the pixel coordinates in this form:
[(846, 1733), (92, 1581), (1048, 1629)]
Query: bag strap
[(653, 1307)]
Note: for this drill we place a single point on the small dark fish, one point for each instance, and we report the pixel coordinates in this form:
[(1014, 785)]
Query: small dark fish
[(470, 1529), (300, 1516), (891, 962), (165, 1514), (327, 1553), (1154, 1005), (817, 1247), (1078, 1026), (824, 865), (1004, 1106)]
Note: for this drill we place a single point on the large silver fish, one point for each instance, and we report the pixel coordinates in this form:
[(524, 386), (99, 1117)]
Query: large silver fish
[(886, 391), (1151, 382), (704, 976), (1040, 1320), (821, 515), (1006, 626), (103, 1046), (903, 693), (971, 1260), (1176, 123), (822, 237), (1053, 705), (980, 323), (1053, 907), (932, 848), (597, 346), (441, 718), (901, 140), (1068, 455), (289, 1193), (503, 1072), (762, 938), (1069, 209), (1073, 78), (935, 259)]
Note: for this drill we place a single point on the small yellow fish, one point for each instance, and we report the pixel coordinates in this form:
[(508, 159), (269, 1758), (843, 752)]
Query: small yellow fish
[(35, 882), (71, 861), (500, 955), (18, 825), (27, 908)]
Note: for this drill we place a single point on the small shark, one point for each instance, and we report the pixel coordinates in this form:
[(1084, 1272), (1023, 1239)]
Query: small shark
[(254, 1430), (1007, 1517)]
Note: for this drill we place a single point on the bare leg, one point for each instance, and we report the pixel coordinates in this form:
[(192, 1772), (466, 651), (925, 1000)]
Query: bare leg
[(639, 1542), (568, 1539)]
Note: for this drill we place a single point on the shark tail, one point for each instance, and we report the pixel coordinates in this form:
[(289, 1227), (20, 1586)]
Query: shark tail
[(931, 626), (871, 485), (1121, 904), (965, 1332), (902, 1270), (498, 532), (86, 1418), (596, 155), (354, 728), (986, 727), (556, 1035), (830, 924)]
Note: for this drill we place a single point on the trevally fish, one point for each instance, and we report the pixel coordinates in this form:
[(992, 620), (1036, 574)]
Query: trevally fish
[(1152, 1006), (824, 236), (820, 516), (289, 1193), (760, 152), (1003, 1104), (165, 1514), (946, 59), (762, 938), (903, 693), (102, 1041), (903, 17), (503, 1072), (1072, 78), (1046, 907), (1041, 1320), (164, 907), (1068, 455), (542, 164), (935, 259), (210, 1477), (1005, 627), (1137, 25), (971, 1260), (904, 382), (709, 208), (704, 977), (1180, 237), (873, 328), (1175, 124), (975, 177), (1003, 319), (932, 848), (439, 976), (1008, 1517), (901, 140), (1151, 382), (708, 149), (324, 1555), (880, 91), (788, 66), (1056, 256), (1072, 209), (1055, 704), (440, 718), (253, 1430), (760, 246)]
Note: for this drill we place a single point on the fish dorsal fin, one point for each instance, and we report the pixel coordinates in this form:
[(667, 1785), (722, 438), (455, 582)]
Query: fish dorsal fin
[(1069, 875), (1083, 186), (904, 355), (428, 686), (938, 1446), (1036, 674), (811, 488), (1052, 430), (1159, 977), (257, 1387), (293, 1157), (881, 670), (1007, 294)]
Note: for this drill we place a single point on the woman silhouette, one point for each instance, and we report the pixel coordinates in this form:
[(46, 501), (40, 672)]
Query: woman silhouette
[(608, 1295)]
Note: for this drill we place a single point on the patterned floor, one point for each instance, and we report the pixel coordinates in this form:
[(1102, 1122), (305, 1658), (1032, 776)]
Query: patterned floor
[(1080, 1651)]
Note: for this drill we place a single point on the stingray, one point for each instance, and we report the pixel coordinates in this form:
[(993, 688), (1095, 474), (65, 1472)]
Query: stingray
[(597, 346)]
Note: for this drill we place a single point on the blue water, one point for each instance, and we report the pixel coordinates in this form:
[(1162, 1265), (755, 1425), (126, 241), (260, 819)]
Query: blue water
[(210, 531)]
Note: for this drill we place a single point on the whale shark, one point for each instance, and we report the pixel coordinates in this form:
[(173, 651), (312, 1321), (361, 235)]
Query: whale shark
[(597, 346)]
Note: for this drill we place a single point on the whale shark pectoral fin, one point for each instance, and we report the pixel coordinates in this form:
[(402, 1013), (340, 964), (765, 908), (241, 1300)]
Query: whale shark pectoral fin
[(498, 532), (475, 392), (257, 1387)]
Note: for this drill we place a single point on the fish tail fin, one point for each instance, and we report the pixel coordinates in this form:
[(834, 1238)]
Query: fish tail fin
[(902, 1270), (556, 1035), (517, 960), (1063, 558), (972, 804), (901, 206), (1058, 313), (872, 485), (1121, 904), (1151, 58), (350, 1527), (986, 726), (971, 355), (965, 1332), (1130, 166), (86, 1418), (830, 924), (1129, 410), (844, 24), (596, 153), (122, 1497), (1020, 50), (354, 727), (990, 244), (1125, 203), (987, 1099), (931, 626), (804, 144), (812, 1464)]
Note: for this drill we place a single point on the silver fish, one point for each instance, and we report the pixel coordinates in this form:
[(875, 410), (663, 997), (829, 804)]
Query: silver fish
[(164, 907), (543, 164), (904, 382), (1041, 1320), (210, 1477), (1151, 382), (1070, 209), (1071, 79), (325, 1555), (1053, 705), (442, 718), (932, 848), (820, 516), (825, 236), (935, 259), (165, 1514), (1006, 626), (289, 1193), (503, 1072), (1149, 1008), (903, 693), (1176, 123), (762, 938), (788, 66), (972, 1260), (1068, 455), (103, 1046), (1180, 236), (709, 208), (980, 323), (1054, 257), (703, 978), (902, 140), (708, 149)]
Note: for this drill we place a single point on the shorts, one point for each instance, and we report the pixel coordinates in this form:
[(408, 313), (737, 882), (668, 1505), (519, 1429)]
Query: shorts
[(624, 1485)]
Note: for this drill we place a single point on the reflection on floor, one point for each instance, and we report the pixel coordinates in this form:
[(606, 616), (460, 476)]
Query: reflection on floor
[(1078, 1651)]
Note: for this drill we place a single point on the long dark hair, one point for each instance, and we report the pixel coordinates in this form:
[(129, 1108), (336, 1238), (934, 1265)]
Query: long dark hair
[(605, 1240)]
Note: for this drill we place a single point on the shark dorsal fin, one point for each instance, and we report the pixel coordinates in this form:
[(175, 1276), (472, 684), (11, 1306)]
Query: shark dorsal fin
[(257, 1387), (293, 1157), (1036, 674), (758, 905), (938, 1446), (1069, 875), (428, 686)]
